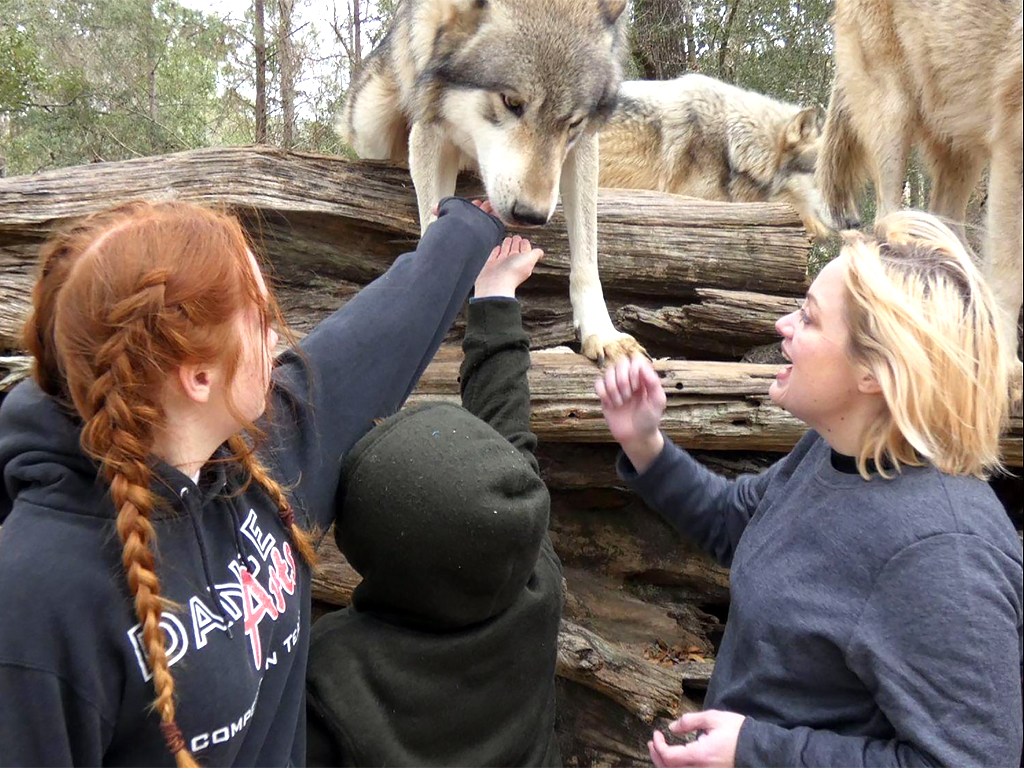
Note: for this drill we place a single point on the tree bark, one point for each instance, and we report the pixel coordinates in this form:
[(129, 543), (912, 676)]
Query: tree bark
[(723, 46), (356, 59), (303, 206), (260, 51), (286, 71)]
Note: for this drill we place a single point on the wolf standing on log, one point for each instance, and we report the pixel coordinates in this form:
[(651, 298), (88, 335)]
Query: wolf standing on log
[(698, 136), (516, 89), (948, 77)]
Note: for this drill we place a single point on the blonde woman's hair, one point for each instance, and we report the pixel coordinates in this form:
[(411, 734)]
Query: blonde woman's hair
[(923, 322)]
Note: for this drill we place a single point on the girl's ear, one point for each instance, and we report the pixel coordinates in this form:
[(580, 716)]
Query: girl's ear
[(196, 382)]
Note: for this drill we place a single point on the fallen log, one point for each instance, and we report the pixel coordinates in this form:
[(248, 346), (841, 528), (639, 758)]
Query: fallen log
[(329, 225), (722, 323), (711, 405)]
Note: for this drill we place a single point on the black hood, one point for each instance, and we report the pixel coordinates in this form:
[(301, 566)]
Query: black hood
[(40, 455), (443, 518)]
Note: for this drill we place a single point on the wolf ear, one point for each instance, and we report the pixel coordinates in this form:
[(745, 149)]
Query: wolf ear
[(463, 15), (802, 128), (611, 10)]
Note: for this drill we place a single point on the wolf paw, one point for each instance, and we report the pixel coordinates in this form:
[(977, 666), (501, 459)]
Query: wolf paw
[(608, 349)]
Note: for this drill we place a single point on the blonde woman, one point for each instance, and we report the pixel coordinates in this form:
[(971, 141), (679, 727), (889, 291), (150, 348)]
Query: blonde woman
[(876, 580)]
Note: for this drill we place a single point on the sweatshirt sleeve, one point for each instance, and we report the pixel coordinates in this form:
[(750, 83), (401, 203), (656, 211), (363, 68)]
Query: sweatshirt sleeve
[(45, 722), (700, 504), (938, 646), (362, 362), (493, 377)]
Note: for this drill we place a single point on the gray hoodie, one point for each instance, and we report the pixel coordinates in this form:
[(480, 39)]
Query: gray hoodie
[(871, 622)]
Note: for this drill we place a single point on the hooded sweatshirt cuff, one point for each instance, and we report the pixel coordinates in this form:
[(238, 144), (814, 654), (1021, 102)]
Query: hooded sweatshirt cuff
[(758, 744), (652, 476), (493, 319)]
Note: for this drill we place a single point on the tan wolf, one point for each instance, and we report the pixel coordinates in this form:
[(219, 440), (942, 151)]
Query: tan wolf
[(698, 136), (516, 89), (945, 75)]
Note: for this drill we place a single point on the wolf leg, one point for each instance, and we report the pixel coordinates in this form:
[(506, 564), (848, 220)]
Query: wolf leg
[(434, 167), (600, 340), (840, 168), (372, 120), (887, 132), (955, 173), (1004, 261)]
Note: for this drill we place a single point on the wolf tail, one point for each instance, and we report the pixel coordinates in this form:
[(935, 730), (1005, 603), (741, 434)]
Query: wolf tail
[(841, 168)]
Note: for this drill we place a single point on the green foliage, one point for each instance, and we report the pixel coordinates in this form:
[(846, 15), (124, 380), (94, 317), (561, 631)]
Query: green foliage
[(779, 47), (115, 79)]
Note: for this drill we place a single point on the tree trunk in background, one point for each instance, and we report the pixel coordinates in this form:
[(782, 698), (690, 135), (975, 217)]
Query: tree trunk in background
[(723, 46), (661, 43), (152, 63), (690, 64), (356, 47), (286, 63), (260, 50)]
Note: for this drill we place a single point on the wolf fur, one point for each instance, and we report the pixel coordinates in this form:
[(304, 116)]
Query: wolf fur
[(944, 75), (698, 136), (516, 89)]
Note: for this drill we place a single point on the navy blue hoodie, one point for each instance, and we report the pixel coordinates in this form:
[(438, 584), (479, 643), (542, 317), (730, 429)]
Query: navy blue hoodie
[(75, 686)]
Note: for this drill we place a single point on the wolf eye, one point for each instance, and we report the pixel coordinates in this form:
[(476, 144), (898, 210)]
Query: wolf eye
[(575, 124), (512, 104)]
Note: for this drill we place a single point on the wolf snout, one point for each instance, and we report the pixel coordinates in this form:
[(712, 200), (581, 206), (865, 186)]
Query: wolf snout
[(527, 216)]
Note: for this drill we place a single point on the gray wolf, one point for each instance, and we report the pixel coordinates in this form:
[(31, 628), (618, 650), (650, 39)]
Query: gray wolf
[(515, 89), (698, 136), (946, 77)]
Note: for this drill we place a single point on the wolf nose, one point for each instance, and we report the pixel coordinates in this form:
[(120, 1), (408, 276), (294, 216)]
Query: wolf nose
[(525, 215)]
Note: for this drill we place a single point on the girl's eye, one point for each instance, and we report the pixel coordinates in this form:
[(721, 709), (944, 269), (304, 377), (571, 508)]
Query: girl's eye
[(804, 317)]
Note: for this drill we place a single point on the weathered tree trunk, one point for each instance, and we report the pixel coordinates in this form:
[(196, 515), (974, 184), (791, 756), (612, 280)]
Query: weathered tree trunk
[(260, 52), (286, 70), (330, 226)]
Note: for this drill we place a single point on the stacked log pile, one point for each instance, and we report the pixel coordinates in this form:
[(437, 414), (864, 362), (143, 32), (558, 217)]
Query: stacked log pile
[(698, 283)]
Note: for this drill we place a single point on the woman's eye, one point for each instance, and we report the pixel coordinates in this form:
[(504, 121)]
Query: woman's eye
[(513, 104)]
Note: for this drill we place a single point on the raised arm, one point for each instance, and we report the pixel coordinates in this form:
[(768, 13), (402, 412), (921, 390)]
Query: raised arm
[(493, 377), (362, 362), (700, 504)]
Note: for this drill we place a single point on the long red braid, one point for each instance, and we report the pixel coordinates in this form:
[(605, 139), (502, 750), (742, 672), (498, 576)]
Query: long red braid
[(124, 298)]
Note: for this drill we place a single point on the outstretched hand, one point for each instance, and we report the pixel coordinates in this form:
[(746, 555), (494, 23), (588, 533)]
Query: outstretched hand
[(633, 402), (507, 267), (714, 748), (484, 205)]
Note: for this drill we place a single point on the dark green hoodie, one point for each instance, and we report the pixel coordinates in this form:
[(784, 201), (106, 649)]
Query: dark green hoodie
[(447, 655)]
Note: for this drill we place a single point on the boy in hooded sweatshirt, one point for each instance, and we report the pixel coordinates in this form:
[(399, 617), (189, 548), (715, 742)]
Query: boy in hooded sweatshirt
[(447, 653)]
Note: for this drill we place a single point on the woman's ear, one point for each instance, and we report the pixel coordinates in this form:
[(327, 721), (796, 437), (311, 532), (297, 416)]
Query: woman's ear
[(867, 384), (196, 382)]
